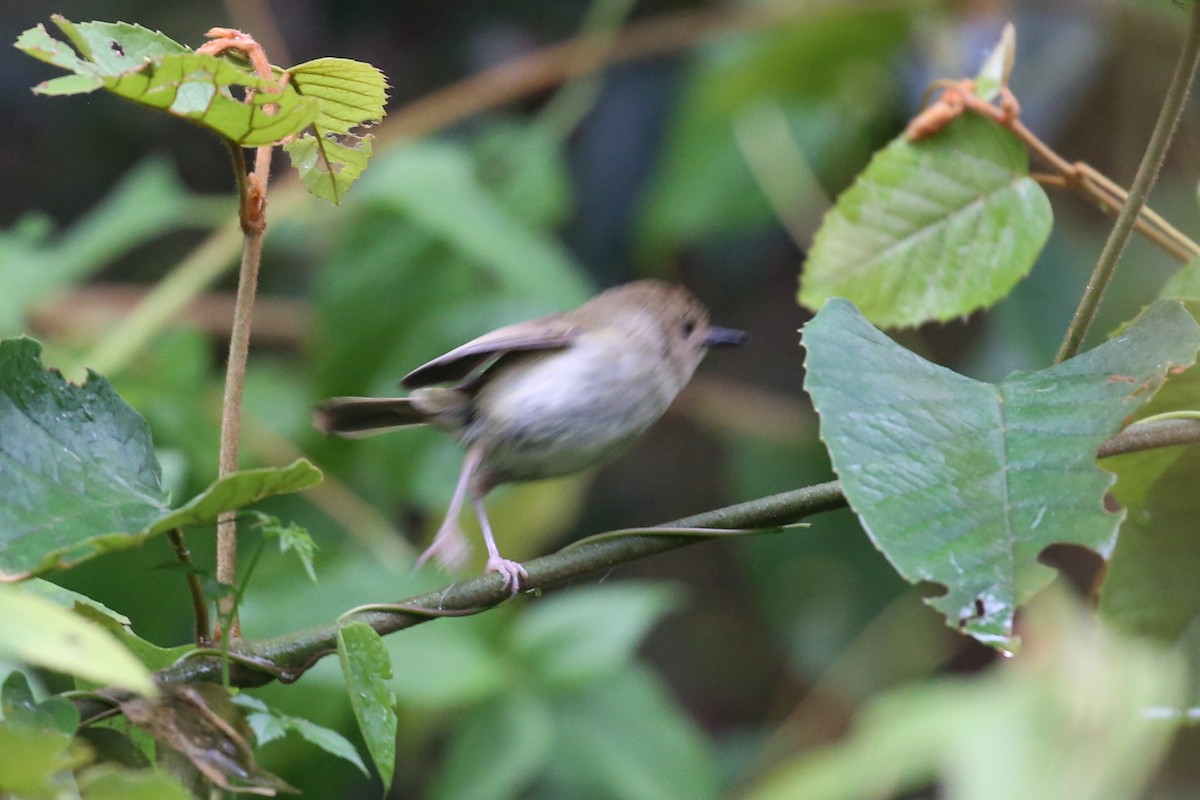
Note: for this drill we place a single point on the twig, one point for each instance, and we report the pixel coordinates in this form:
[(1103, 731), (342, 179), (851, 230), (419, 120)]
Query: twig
[(203, 632), (252, 206), (1143, 181), (958, 96)]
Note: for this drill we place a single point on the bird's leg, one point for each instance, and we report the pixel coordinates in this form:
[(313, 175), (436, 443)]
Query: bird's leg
[(511, 571), (450, 547)]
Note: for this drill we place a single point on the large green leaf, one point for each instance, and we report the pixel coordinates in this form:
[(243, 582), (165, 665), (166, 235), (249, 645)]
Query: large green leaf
[(78, 474), (39, 633), (933, 229), (965, 483), (149, 68), (367, 669)]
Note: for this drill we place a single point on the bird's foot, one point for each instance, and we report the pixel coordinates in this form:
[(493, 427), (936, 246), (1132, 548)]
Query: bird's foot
[(511, 571), (449, 548)]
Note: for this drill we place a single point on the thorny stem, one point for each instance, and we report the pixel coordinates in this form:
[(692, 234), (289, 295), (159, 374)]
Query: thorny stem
[(199, 606), (1143, 181)]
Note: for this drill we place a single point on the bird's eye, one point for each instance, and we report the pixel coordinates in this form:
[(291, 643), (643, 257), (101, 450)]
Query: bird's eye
[(689, 327)]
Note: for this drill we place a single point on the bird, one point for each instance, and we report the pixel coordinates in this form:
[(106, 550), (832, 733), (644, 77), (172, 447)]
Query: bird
[(543, 398)]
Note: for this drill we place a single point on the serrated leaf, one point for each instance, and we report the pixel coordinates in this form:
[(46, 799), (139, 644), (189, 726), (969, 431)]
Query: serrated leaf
[(366, 669), (931, 230), (965, 483), (328, 166), (39, 633), (153, 70), (329, 157), (78, 473), (348, 92)]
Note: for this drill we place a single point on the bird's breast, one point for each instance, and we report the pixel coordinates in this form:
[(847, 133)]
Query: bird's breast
[(555, 413)]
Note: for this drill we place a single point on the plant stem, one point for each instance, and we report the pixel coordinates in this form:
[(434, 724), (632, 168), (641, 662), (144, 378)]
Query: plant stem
[(203, 632), (252, 197), (1143, 181)]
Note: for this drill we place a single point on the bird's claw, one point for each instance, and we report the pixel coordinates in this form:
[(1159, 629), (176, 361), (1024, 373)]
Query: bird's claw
[(511, 571)]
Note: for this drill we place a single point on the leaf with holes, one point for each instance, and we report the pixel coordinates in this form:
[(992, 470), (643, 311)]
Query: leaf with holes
[(933, 229), (349, 95), (151, 69), (965, 483), (78, 473)]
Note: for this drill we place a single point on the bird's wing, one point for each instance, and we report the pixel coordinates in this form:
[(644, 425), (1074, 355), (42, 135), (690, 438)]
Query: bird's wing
[(548, 333)]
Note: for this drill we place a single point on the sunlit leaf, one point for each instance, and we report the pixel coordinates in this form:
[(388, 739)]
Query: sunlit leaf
[(965, 483), (150, 69), (349, 95)]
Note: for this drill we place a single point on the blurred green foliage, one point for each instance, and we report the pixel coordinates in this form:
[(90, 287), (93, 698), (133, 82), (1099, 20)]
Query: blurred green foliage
[(632, 687)]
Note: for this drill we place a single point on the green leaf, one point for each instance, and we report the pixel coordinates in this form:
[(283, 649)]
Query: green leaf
[(150, 69), (107, 782), (80, 476), (56, 713), (269, 724), (37, 764), (624, 737), (329, 157), (497, 751), (291, 537), (150, 654), (965, 483), (239, 489), (584, 633), (933, 229), (366, 669), (1150, 587), (993, 75), (447, 667), (1073, 719), (435, 184), (39, 633)]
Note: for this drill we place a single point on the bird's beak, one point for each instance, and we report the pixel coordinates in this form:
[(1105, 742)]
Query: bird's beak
[(724, 337)]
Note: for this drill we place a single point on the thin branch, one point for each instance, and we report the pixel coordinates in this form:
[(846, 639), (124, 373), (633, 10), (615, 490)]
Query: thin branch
[(1143, 181), (203, 633), (287, 658), (1151, 435)]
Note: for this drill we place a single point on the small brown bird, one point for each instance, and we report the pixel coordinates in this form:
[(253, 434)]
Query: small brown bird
[(545, 397)]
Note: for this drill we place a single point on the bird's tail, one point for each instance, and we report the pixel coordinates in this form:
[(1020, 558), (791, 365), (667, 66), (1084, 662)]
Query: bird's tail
[(354, 417)]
